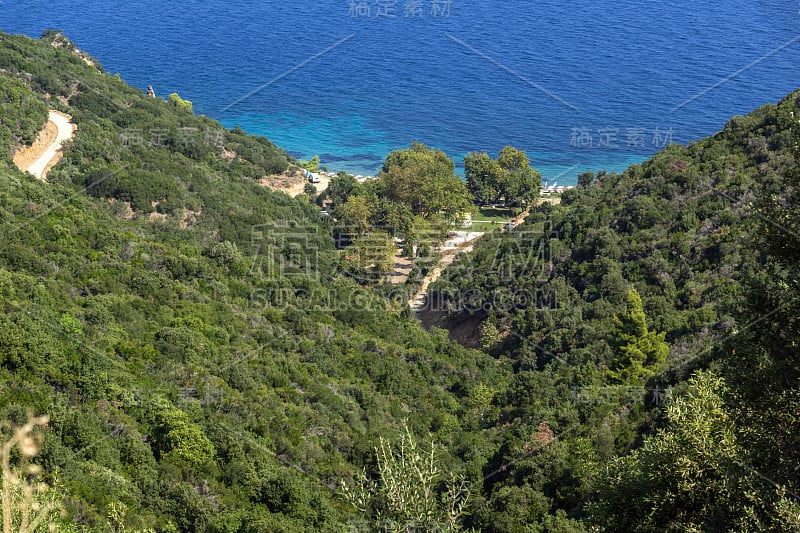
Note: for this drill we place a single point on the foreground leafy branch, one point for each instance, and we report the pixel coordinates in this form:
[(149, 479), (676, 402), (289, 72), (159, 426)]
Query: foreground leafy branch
[(405, 495), (27, 504)]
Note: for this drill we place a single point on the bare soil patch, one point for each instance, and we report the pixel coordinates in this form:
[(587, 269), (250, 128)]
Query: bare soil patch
[(27, 155), (292, 181), (45, 151)]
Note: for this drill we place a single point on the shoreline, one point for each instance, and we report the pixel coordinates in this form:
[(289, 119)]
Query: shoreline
[(563, 167)]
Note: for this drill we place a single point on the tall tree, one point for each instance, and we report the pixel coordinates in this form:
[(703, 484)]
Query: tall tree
[(340, 188), (447, 196), (405, 172), (483, 175), (585, 179), (520, 183), (356, 213), (637, 351), (425, 180), (509, 176)]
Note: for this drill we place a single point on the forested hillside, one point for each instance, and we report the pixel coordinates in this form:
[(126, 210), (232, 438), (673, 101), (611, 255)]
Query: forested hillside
[(609, 302), (200, 359), (631, 358)]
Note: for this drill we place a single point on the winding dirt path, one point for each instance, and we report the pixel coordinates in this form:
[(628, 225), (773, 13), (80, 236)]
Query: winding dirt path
[(418, 302), (45, 152), (464, 242)]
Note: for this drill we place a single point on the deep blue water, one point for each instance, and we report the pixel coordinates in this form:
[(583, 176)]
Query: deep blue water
[(547, 76)]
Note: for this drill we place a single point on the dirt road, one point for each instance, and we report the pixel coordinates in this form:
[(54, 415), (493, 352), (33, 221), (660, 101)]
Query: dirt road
[(45, 152), (462, 241)]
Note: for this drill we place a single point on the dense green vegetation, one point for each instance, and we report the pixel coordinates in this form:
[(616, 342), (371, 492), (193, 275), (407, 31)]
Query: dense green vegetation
[(209, 361), (424, 179), (509, 177), (21, 115), (416, 199), (202, 361), (708, 236)]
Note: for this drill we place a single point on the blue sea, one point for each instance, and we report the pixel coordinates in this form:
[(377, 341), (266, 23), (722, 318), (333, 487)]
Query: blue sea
[(579, 85)]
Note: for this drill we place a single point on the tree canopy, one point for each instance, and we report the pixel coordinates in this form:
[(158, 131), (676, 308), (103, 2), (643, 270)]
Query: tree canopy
[(638, 351), (424, 179), (510, 177)]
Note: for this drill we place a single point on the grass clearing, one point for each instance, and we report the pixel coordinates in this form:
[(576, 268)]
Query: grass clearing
[(490, 218)]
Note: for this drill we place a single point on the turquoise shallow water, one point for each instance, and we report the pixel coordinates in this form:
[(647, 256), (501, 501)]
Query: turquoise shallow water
[(580, 85)]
